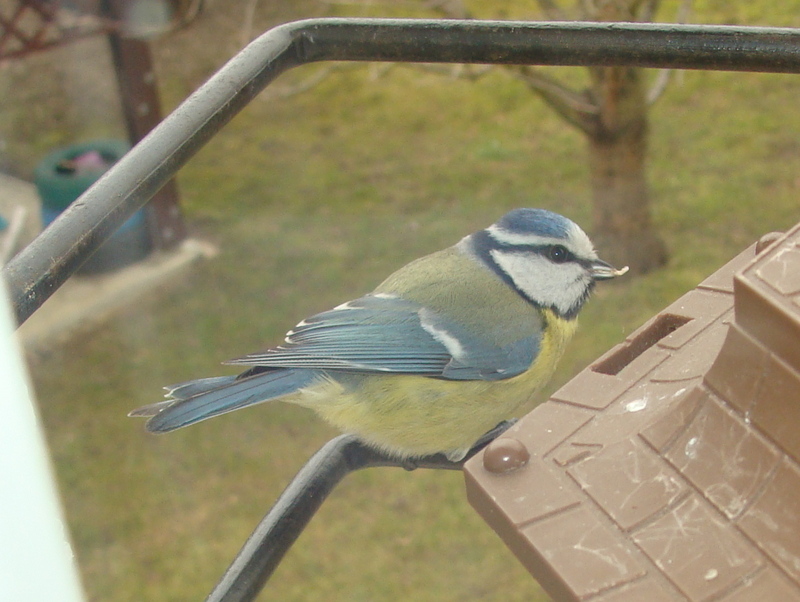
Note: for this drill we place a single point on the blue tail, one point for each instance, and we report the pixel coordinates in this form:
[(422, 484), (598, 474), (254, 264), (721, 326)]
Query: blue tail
[(197, 400)]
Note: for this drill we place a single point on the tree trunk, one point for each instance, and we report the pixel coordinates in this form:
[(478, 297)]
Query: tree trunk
[(622, 227), (617, 143)]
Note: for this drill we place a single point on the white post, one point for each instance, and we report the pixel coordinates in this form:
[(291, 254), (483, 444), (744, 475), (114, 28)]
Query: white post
[(36, 561)]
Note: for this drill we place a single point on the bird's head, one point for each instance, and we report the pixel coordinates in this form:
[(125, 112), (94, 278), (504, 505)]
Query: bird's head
[(546, 257)]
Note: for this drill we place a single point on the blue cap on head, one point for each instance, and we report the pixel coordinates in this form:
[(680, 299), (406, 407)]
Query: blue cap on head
[(535, 221)]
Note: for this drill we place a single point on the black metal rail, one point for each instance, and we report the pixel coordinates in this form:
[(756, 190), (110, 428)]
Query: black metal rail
[(282, 525), (38, 270)]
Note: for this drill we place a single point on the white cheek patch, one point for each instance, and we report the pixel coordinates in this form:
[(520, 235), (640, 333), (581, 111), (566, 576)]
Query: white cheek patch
[(561, 286)]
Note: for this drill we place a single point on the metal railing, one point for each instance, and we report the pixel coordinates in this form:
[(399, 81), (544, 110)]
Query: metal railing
[(39, 269), (282, 525)]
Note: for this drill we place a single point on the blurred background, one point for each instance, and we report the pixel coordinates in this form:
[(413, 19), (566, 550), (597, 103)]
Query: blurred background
[(332, 178)]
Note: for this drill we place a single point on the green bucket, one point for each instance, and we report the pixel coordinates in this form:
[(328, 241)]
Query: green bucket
[(65, 174)]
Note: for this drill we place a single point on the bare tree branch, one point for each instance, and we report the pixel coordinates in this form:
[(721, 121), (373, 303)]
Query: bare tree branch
[(320, 75), (659, 85), (538, 80), (588, 10), (552, 11), (649, 10), (457, 71), (576, 108), (684, 11), (378, 70), (246, 33), (409, 3), (452, 9), (665, 76)]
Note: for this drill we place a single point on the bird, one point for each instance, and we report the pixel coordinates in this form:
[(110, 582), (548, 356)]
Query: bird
[(439, 353)]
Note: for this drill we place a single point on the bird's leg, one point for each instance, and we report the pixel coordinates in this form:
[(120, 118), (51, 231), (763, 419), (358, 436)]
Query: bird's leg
[(441, 460)]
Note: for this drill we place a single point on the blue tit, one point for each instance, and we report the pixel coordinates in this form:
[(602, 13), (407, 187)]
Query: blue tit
[(437, 355)]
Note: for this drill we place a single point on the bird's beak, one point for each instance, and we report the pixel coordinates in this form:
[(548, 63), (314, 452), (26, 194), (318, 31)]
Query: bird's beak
[(604, 271)]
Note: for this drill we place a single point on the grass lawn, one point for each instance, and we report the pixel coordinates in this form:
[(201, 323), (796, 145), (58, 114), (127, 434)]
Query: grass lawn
[(312, 200)]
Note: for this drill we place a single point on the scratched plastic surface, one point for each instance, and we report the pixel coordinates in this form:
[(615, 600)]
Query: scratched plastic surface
[(669, 470)]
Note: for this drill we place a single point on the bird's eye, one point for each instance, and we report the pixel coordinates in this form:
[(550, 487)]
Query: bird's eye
[(558, 254)]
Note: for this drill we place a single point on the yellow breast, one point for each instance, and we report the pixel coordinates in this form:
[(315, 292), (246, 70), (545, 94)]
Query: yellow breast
[(414, 415)]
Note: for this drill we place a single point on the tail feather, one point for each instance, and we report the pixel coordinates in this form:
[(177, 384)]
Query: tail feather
[(191, 388), (198, 400)]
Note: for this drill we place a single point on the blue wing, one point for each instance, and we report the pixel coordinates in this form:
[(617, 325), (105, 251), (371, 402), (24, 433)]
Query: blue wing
[(374, 334), (388, 334)]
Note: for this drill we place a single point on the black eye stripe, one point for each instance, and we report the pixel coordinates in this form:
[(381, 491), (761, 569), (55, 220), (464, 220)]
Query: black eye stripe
[(485, 243), (555, 253), (545, 251)]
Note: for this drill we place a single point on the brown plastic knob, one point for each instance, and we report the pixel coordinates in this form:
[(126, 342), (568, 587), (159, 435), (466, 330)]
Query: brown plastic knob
[(505, 455)]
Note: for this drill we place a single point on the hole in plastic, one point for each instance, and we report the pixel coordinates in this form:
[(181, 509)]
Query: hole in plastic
[(665, 325)]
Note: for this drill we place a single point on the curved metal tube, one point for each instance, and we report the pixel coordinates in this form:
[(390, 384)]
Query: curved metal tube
[(38, 270), (282, 525)]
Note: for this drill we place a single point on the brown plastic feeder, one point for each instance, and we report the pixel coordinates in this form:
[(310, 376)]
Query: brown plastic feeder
[(668, 470)]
